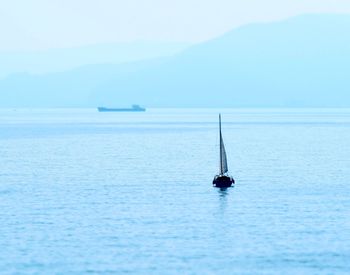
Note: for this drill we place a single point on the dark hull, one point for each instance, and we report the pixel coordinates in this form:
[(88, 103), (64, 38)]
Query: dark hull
[(223, 181)]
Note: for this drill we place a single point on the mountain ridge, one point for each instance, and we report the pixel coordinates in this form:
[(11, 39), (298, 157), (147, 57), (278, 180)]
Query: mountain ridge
[(299, 62)]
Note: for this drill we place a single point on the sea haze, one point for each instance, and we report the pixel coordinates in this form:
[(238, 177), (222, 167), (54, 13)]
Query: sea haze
[(82, 191)]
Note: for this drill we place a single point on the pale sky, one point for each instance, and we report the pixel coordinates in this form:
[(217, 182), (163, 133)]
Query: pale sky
[(45, 24)]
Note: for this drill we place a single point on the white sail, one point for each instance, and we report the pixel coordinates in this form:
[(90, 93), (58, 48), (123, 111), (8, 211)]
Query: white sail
[(223, 157)]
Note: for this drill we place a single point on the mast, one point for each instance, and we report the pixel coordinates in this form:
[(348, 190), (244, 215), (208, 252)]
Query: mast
[(221, 170), (223, 157)]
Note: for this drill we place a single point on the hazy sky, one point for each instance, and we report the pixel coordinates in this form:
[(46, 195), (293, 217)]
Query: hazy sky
[(43, 24)]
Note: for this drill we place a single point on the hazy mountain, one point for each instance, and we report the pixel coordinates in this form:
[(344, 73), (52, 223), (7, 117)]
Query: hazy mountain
[(303, 61), (63, 59)]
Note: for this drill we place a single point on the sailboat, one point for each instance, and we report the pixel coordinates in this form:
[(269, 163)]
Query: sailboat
[(223, 180)]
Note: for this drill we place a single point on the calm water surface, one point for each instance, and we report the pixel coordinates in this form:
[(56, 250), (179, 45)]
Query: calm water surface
[(89, 192)]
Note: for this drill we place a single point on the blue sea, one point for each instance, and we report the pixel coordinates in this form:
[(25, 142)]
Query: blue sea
[(88, 192)]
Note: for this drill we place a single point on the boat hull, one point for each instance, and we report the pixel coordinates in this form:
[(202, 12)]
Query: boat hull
[(223, 182), (133, 109)]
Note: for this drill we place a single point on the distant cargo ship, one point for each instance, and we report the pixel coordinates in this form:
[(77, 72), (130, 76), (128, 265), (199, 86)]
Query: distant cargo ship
[(134, 108)]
